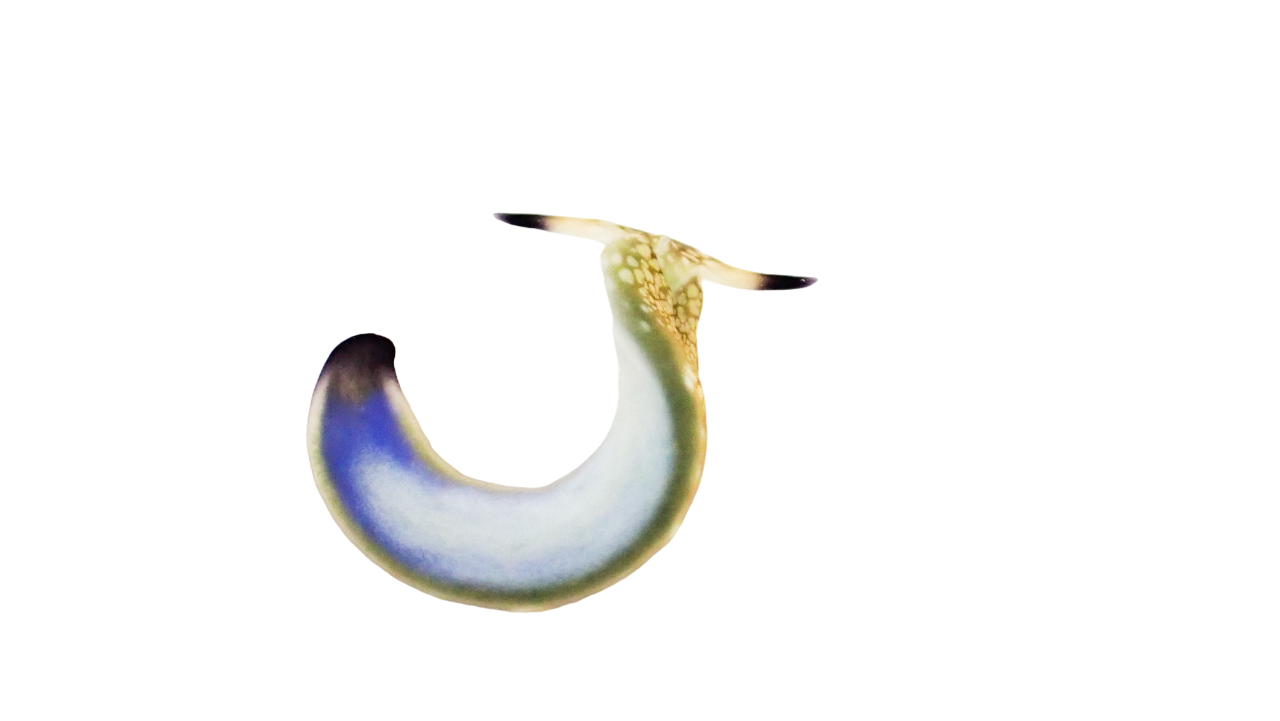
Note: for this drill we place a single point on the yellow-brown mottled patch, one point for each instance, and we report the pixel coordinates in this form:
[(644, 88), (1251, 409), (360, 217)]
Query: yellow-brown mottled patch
[(675, 309), (668, 287)]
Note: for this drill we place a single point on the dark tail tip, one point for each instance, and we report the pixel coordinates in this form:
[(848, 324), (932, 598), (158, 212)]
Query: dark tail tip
[(523, 220), (359, 364), (785, 282)]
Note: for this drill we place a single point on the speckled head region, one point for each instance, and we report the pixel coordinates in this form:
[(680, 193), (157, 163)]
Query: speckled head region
[(655, 279), (359, 365)]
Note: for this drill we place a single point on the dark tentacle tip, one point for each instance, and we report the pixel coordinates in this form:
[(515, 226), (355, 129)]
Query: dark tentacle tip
[(359, 364), (523, 220), (785, 282)]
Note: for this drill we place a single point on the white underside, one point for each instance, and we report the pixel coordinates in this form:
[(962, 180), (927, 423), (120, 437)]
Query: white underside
[(529, 538)]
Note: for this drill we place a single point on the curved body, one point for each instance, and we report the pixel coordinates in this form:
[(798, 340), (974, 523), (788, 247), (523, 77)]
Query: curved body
[(525, 549)]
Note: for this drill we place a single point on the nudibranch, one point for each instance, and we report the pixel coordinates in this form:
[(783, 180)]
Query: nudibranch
[(531, 549)]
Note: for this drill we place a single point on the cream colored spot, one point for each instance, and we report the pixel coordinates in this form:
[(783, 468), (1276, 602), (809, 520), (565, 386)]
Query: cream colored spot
[(625, 275), (644, 326), (644, 251), (631, 261), (616, 258)]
